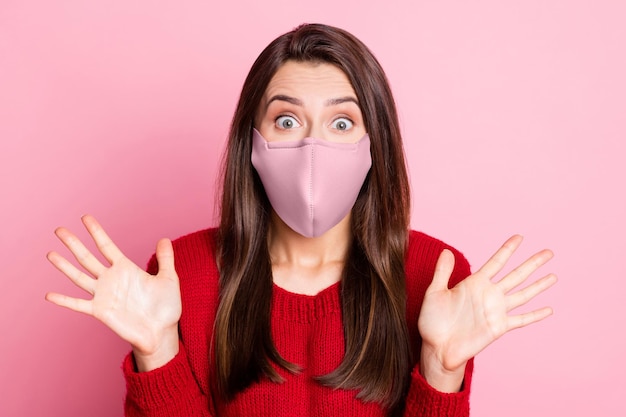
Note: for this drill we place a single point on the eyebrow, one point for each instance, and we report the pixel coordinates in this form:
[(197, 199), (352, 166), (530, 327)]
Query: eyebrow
[(340, 100), (298, 102), (288, 99)]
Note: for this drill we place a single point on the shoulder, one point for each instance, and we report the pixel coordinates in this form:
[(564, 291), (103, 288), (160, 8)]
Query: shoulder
[(422, 254), (421, 257), (201, 241), (193, 253)]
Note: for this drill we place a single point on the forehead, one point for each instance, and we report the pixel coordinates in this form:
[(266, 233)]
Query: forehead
[(309, 78)]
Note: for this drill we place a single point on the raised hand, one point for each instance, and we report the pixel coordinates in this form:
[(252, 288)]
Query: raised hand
[(458, 323), (141, 308)]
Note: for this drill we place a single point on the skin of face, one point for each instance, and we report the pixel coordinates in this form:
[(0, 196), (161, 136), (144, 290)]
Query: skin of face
[(306, 99)]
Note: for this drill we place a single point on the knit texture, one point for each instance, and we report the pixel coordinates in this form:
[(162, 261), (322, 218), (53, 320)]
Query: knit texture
[(307, 330)]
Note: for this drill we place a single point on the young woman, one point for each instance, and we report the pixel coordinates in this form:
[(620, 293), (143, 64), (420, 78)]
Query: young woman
[(312, 297)]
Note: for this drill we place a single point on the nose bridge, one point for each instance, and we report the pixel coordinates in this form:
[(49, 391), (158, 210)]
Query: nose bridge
[(315, 123), (315, 131), (314, 114)]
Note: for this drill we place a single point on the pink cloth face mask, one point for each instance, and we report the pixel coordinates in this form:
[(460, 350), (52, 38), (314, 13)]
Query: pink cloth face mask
[(311, 183)]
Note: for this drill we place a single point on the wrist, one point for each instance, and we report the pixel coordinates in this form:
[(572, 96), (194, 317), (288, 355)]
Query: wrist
[(165, 351), (440, 377)]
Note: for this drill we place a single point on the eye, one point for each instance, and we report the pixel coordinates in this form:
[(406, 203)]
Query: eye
[(287, 122), (342, 123)]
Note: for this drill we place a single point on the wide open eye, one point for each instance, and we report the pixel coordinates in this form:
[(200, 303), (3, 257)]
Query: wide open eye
[(342, 123), (287, 122)]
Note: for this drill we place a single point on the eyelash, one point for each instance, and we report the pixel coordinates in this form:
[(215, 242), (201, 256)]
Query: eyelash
[(346, 118), (349, 119), (286, 115)]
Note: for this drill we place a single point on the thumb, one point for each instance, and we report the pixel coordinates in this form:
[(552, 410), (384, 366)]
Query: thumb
[(443, 270), (165, 257)]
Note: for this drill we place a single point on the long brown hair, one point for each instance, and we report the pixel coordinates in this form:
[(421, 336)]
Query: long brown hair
[(377, 358)]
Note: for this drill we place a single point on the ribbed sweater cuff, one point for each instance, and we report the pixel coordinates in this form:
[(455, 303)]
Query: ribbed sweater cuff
[(424, 400), (161, 387)]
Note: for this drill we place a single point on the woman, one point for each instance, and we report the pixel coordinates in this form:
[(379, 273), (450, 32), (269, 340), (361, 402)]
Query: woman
[(312, 297)]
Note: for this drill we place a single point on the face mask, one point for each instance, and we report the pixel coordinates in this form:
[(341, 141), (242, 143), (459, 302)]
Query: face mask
[(311, 183)]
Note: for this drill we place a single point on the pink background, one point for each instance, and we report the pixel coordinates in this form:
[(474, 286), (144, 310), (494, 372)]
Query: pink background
[(513, 115)]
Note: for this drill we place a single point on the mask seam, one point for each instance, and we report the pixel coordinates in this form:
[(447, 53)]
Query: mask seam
[(311, 189)]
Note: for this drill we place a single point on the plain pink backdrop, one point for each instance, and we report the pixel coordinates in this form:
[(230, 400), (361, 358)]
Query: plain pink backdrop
[(513, 115)]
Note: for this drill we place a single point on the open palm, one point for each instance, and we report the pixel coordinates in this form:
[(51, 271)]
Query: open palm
[(460, 322), (139, 307)]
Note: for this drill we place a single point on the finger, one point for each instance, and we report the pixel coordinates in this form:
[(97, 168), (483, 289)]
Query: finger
[(501, 257), (165, 257), (522, 320), (522, 272), (523, 296), (104, 243), (78, 277), (80, 252), (443, 270), (75, 304)]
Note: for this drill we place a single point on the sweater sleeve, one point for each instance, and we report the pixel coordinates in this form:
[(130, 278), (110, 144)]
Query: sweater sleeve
[(169, 391), (425, 401)]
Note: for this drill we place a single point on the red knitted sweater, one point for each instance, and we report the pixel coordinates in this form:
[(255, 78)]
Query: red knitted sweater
[(307, 330)]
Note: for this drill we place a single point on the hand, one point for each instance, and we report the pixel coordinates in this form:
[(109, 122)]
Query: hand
[(142, 309), (456, 324)]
